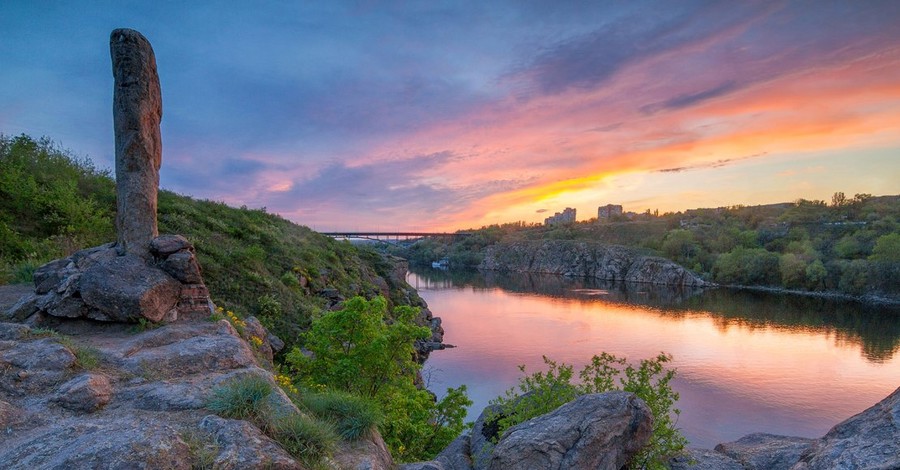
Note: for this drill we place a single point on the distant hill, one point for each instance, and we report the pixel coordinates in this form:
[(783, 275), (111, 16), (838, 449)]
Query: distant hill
[(849, 246)]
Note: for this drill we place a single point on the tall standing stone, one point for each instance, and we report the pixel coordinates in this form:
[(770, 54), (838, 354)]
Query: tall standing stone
[(137, 111)]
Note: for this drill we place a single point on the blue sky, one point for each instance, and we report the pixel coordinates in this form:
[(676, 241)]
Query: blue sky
[(441, 115)]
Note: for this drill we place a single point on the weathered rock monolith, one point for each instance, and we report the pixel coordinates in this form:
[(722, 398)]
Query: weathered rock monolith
[(137, 111)]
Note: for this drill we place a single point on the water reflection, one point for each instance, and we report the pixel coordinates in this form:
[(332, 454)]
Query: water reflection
[(876, 329), (747, 361)]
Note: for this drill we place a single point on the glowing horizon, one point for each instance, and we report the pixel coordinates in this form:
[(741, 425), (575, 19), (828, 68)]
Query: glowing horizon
[(443, 117)]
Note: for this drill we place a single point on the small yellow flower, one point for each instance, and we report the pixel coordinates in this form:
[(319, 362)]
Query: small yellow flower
[(256, 341)]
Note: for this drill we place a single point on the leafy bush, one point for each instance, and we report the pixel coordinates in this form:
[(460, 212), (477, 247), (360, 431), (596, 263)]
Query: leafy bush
[(542, 392), (354, 417)]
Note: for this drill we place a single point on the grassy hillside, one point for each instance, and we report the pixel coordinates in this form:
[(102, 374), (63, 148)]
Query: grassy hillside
[(53, 203)]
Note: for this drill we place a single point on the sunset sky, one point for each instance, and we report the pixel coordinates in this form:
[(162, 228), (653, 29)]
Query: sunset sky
[(445, 115)]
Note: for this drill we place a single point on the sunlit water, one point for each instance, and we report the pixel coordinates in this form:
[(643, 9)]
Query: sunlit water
[(747, 362)]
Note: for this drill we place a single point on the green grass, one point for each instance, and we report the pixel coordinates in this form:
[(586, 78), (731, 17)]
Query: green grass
[(241, 399), (305, 437), (353, 417)]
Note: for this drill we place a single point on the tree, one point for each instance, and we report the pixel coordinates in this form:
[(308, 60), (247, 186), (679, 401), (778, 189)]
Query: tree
[(748, 267), (887, 248), (838, 199), (680, 246)]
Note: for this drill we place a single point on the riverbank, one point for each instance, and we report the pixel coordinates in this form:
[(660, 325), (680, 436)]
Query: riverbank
[(869, 299)]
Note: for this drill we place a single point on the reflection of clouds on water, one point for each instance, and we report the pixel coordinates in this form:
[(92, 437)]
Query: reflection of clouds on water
[(747, 362), (875, 329)]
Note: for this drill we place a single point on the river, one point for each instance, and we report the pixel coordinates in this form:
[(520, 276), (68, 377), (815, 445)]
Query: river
[(746, 361)]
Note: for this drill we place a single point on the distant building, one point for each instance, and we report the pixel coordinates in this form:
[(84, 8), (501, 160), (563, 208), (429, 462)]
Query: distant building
[(607, 212), (567, 216)]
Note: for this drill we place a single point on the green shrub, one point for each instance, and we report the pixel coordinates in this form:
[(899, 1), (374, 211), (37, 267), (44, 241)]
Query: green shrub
[(358, 350), (290, 280), (354, 417), (241, 399), (542, 392), (305, 437)]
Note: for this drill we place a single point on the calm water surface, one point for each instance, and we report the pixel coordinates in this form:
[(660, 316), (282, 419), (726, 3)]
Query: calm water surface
[(747, 362)]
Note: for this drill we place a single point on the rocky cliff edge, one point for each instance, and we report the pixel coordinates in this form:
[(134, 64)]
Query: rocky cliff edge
[(587, 259)]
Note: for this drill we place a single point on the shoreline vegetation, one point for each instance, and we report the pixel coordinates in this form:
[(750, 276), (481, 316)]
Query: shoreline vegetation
[(847, 249)]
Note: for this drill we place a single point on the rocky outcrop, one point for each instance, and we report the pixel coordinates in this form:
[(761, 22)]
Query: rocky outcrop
[(137, 112), (598, 431), (586, 259), (770, 451), (98, 284), (132, 409), (142, 405), (867, 441)]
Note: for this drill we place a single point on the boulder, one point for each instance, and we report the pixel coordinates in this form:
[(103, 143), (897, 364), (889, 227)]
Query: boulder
[(597, 431), (703, 459), (369, 453), (86, 392), (179, 350), (484, 432), (165, 245), (135, 441), (126, 288), (241, 445), (9, 331), (868, 440), (183, 266), (765, 451), (457, 455)]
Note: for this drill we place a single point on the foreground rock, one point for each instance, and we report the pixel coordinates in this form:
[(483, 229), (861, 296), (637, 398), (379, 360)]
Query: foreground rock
[(98, 284), (141, 405), (599, 431), (769, 451), (867, 441), (586, 259)]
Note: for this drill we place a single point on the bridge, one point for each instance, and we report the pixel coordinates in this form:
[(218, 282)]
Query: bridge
[(394, 237)]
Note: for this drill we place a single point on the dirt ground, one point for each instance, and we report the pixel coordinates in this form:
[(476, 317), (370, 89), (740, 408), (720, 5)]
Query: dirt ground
[(10, 294)]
